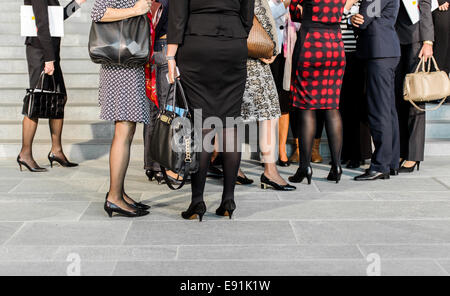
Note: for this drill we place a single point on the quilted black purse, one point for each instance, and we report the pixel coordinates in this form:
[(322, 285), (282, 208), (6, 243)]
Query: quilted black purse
[(40, 103), (173, 142), (125, 42)]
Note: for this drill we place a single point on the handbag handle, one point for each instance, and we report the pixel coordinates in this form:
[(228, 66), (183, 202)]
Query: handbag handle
[(41, 80), (431, 109), (183, 96)]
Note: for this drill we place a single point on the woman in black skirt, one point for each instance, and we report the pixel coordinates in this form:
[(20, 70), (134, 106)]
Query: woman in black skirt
[(43, 55), (209, 41)]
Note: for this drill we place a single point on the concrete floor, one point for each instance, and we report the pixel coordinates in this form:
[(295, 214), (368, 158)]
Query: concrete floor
[(53, 224)]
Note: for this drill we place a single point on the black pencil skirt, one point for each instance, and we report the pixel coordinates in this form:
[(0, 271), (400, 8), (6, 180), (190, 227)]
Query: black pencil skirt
[(213, 74)]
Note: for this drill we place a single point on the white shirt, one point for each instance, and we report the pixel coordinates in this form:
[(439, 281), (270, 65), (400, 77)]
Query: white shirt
[(279, 14)]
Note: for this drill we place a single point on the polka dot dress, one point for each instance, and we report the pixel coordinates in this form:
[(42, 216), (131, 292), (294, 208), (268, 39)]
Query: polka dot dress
[(122, 89), (320, 60)]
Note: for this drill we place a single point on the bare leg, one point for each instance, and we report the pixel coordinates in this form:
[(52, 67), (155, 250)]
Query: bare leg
[(29, 127), (283, 131), (268, 145), (119, 158)]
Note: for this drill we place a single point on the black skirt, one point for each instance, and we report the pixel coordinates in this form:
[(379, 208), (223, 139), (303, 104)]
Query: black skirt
[(277, 68), (213, 74)]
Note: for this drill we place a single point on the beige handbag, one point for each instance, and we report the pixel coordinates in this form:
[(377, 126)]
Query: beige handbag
[(259, 43), (426, 86)]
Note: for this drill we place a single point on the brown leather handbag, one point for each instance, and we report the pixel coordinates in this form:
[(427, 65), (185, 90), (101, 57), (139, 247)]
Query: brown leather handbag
[(259, 43), (426, 86)]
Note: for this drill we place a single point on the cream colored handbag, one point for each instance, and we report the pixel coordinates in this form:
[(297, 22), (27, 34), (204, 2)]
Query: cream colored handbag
[(426, 86)]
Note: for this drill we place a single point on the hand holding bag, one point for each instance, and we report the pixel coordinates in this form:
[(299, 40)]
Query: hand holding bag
[(125, 42), (40, 103), (259, 43), (172, 143), (426, 86)]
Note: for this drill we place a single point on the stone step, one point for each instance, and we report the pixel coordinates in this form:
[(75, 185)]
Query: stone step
[(69, 40), (76, 95), (438, 129), (72, 112), (81, 16), (69, 28), (442, 113), (10, 81), (19, 66), (14, 5), (73, 130), (67, 53)]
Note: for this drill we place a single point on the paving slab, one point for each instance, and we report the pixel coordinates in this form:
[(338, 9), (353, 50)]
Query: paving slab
[(42, 211), (7, 230), (71, 233), (54, 268), (408, 251), (59, 186)]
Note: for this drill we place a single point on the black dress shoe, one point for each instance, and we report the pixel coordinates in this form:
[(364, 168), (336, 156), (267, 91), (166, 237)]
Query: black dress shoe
[(372, 175), (243, 180), (404, 169), (266, 183), (194, 211), (393, 172), (353, 164), (283, 163), (111, 208), (62, 162), (335, 174), (214, 172), (226, 208), (37, 169), (301, 174)]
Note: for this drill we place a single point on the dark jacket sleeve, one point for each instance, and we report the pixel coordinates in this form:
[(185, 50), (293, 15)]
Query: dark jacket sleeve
[(426, 26), (178, 17), (70, 9), (40, 10), (366, 11), (442, 2), (247, 13)]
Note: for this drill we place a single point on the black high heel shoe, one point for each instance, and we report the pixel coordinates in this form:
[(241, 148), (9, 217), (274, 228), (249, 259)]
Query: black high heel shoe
[(33, 170), (111, 208), (150, 175), (194, 211), (301, 174), (283, 163), (62, 162), (404, 169), (138, 205), (243, 180), (266, 183), (226, 208), (335, 174)]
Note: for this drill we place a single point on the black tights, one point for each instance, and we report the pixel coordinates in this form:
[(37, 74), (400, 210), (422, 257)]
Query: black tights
[(306, 128), (231, 162)]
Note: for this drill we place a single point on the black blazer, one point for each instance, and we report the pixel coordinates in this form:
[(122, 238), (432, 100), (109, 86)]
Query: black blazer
[(230, 18), (420, 31), (49, 45), (377, 37)]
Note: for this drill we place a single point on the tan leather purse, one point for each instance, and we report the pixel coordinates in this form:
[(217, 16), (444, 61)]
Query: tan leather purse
[(259, 43), (426, 86)]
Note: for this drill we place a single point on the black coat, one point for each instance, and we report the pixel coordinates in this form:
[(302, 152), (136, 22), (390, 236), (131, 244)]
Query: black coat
[(420, 31), (49, 45)]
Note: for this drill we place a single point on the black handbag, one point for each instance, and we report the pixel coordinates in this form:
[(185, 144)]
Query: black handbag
[(172, 143), (125, 42), (40, 103)]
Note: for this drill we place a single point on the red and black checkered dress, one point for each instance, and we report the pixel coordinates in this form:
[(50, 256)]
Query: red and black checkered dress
[(319, 56)]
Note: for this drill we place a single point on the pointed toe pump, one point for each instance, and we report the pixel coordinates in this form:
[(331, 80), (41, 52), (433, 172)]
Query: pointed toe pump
[(404, 169), (194, 211), (62, 162), (226, 209), (37, 169), (301, 174), (111, 208), (266, 183), (335, 174)]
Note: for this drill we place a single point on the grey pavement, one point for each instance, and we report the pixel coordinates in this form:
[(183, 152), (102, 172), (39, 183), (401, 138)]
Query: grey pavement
[(53, 220)]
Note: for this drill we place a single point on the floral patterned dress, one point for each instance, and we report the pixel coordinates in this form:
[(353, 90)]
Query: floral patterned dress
[(261, 97)]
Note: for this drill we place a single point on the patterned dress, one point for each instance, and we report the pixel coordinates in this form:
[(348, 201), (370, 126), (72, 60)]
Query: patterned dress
[(261, 96), (122, 89), (319, 54)]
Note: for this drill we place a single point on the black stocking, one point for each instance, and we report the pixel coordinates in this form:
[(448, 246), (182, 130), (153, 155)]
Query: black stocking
[(306, 129), (333, 126), (198, 179), (231, 162)]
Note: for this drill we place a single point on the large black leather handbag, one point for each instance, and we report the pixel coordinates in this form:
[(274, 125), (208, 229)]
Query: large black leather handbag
[(173, 144), (40, 103), (125, 42)]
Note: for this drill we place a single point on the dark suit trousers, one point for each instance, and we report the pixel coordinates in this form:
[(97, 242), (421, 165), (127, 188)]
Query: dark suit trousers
[(383, 119), (162, 88), (411, 120)]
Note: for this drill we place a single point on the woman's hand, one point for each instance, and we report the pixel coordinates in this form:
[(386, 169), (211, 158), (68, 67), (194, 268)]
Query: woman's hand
[(142, 6), (426, 52), (49, 68), (268, 61), (79, 2), (357, 20), (172, 65), (444, 7)]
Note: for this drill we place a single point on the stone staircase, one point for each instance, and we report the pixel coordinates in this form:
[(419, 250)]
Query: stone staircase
[(85, 137)]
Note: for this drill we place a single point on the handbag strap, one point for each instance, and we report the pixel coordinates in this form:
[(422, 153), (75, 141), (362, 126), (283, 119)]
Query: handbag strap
[(169, 183), (431, 109), (41, 80)]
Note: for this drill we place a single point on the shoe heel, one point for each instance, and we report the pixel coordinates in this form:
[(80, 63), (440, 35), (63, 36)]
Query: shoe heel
[(230, 213), (418, 166), (20, 167), (309, 179), (51, 164), (200, 217), (109, 212), (264, 186)]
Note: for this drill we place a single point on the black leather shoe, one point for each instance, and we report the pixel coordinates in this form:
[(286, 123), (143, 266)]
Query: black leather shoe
[(393, 172), (226, 208), (283, 163), (214, 172), (335, 174), (372, 175), (62, 162), (266, 183), (353, 164), (404, 169), (301, 174), (194, 211), (111, 208), (37, 169), (243, 180)]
